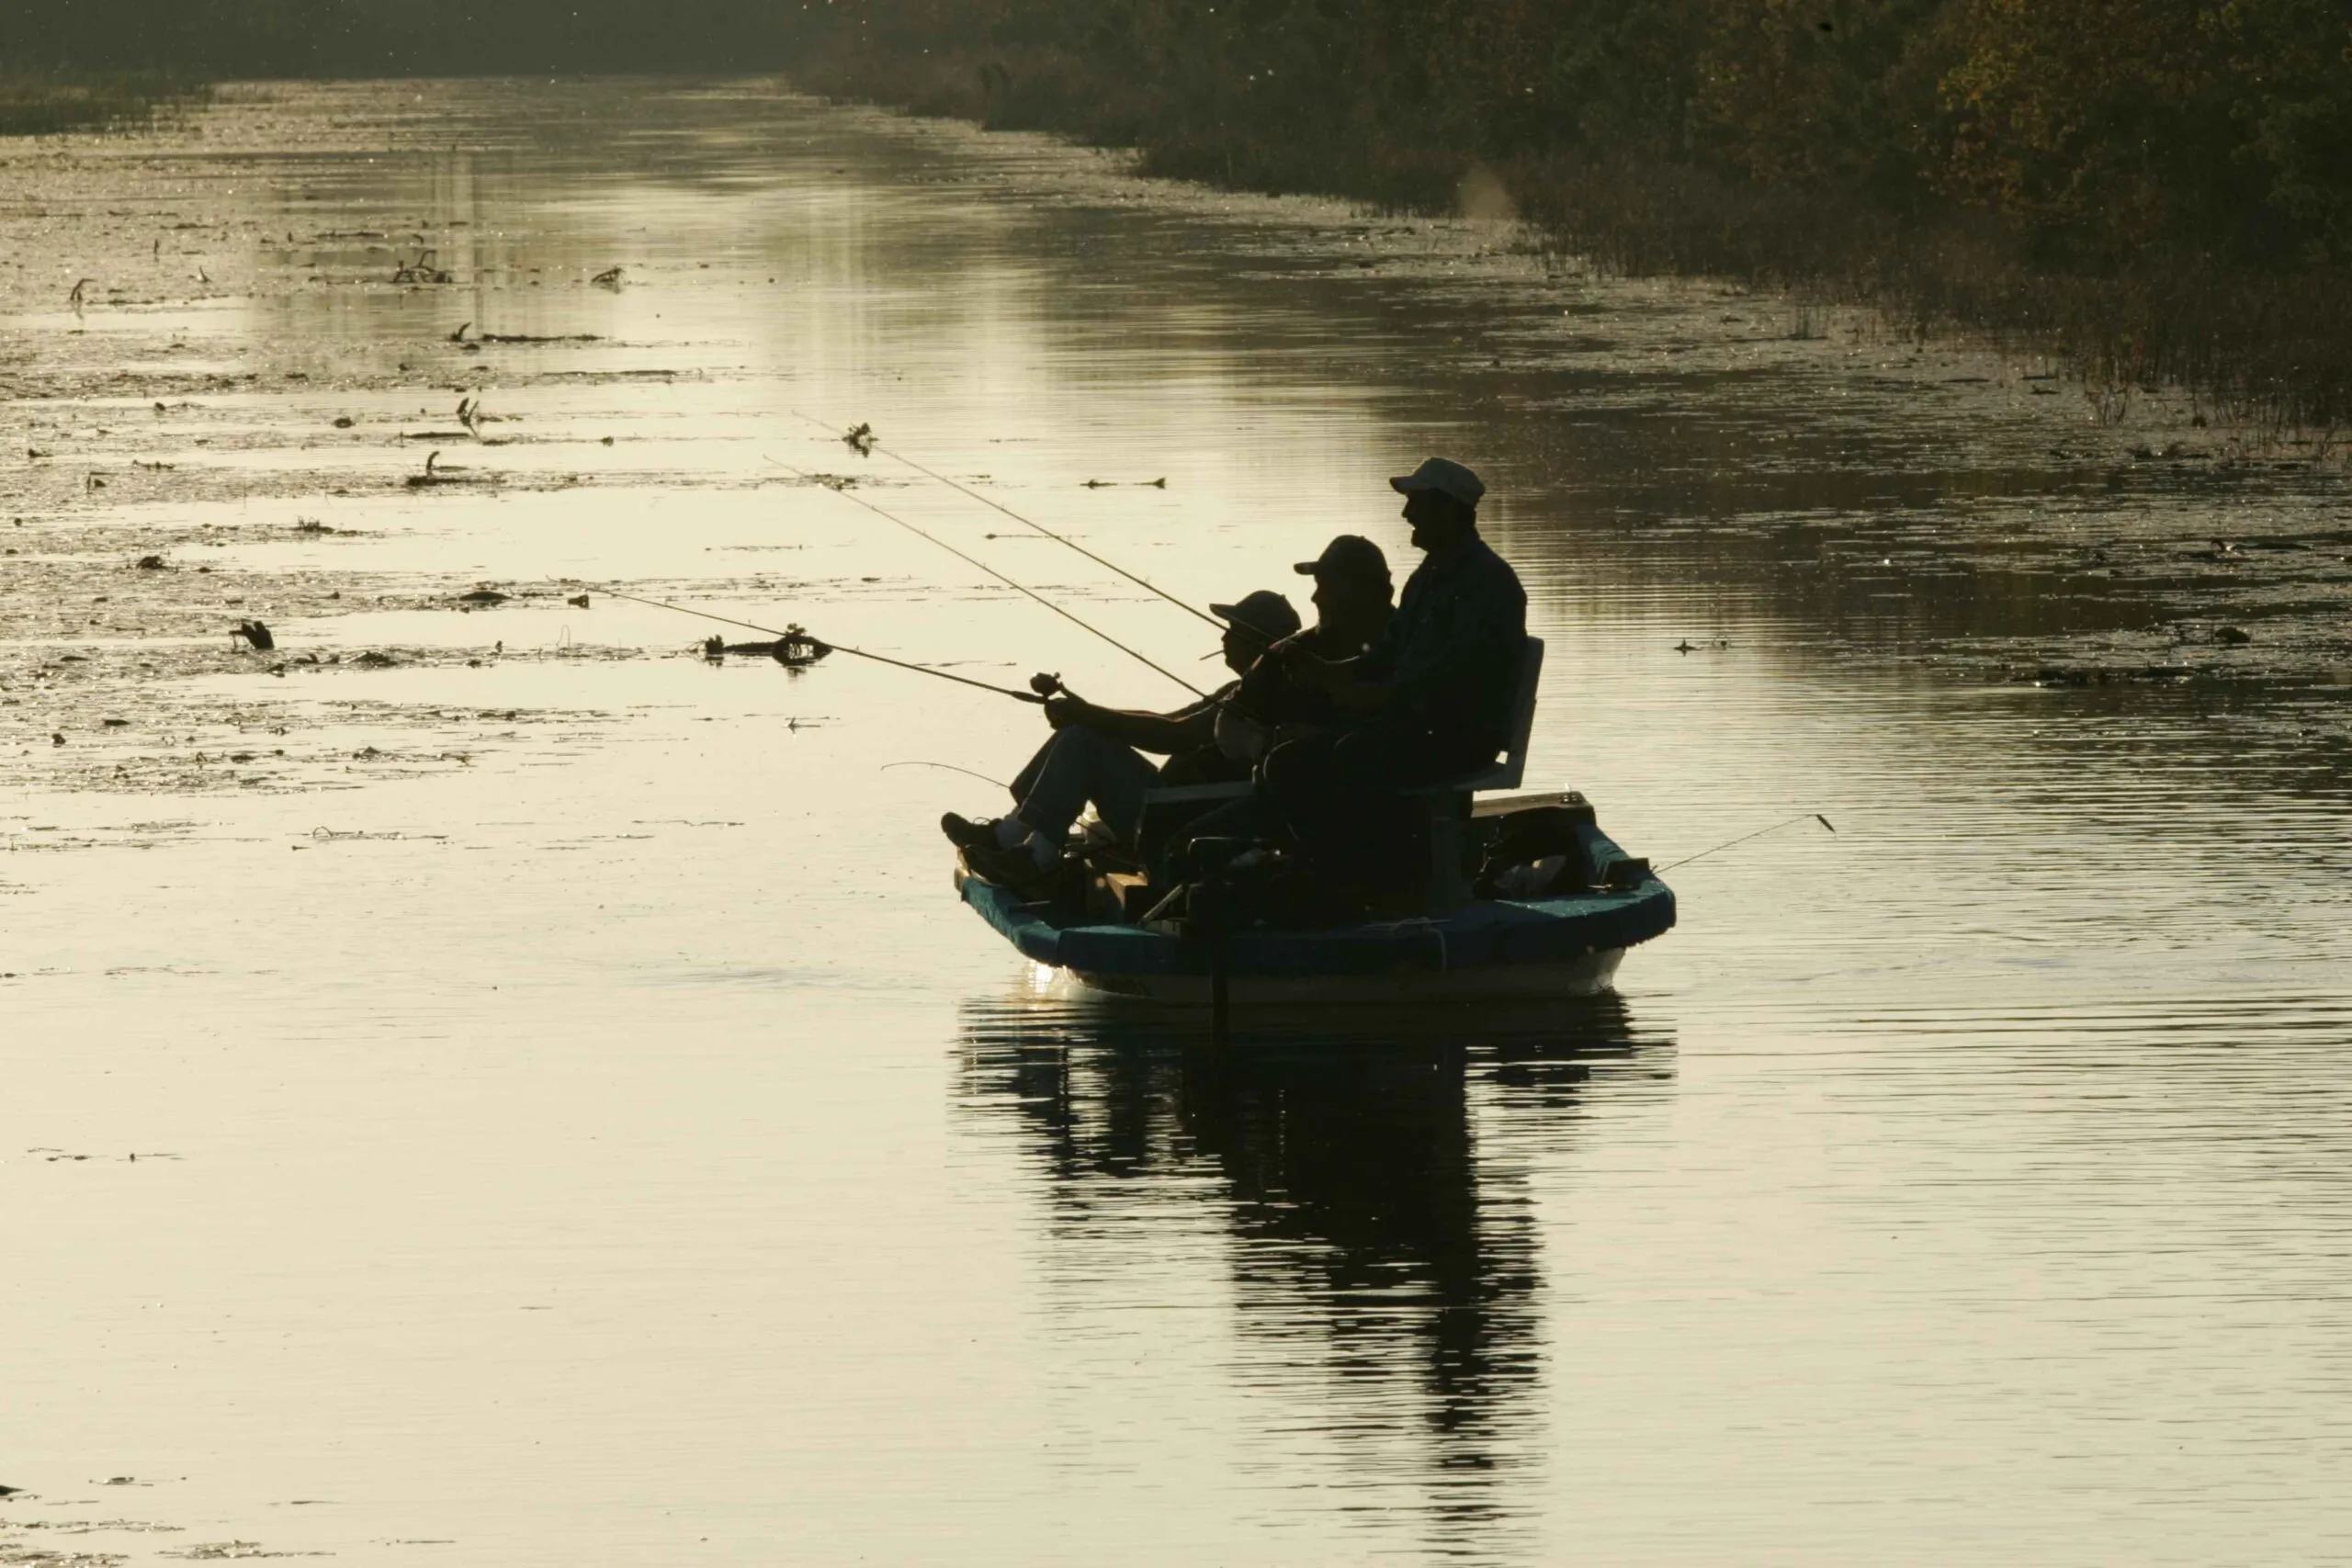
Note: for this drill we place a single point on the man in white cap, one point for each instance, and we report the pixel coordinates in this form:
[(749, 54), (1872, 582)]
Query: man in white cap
[(1096, 755), (1432, 700)]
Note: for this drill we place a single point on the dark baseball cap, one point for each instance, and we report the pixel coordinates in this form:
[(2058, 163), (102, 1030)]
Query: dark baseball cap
[(1265, 611), (1349, 555)]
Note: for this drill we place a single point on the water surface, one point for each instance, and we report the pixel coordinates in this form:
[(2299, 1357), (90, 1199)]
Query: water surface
[(574, 1120)]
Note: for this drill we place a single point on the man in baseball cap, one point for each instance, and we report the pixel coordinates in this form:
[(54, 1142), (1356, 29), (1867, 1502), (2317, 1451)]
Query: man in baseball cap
[(1353, 596), (1354, 601), (1096, 755)]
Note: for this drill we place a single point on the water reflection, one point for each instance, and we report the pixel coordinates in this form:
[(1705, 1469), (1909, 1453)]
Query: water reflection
[(1372, 1192)]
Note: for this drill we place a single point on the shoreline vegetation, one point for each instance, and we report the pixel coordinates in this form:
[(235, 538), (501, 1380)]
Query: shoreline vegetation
[(50, 103), (2154, 191)]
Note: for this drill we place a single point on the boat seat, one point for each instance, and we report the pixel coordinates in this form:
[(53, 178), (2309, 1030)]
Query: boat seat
[(1508, 770), (1452, 804)]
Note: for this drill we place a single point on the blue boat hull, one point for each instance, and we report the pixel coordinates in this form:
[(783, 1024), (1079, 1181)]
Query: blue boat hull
[(1559, 946)]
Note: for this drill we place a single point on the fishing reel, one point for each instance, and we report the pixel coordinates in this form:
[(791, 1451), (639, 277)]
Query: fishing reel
[(1049, 686)]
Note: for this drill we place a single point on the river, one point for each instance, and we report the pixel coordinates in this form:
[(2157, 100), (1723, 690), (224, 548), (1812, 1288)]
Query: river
[(574, 1120)]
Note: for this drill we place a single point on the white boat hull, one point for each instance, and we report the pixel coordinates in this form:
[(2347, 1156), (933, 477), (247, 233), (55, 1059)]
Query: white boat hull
[(1587, 974)]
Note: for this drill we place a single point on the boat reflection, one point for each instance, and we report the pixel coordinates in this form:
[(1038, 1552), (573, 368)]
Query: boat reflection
[(1370, 1194)]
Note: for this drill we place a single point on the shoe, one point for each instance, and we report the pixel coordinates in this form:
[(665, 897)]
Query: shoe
[(1015, 868), (967, 834)]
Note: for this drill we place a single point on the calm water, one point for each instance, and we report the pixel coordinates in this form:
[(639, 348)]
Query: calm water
[(587, 1130)]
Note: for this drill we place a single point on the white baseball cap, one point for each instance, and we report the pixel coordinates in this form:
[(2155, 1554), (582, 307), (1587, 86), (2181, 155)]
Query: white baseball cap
[(1446, 477)]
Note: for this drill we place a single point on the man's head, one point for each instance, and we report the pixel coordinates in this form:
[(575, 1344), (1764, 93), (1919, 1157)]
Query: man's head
[(1351, 586), (1440, 503), (1252, 625)]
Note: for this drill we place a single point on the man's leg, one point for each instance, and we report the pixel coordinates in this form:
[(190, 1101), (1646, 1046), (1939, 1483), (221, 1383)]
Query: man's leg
[(1003, 832), (1026, 779), (1081, 765)]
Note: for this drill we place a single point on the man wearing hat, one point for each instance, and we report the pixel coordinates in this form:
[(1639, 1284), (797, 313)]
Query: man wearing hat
[(1353, 602), (1430, 700), (1353, 597), (1096, 755)]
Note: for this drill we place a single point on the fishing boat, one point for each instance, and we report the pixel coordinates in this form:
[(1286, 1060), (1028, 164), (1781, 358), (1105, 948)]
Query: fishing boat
[(1564, 936), (1560, 930)]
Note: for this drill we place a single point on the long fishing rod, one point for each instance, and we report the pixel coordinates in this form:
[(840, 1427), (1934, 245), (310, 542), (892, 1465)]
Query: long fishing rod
[(832, 646), (1702, 854), (872, 445), (892, 517)]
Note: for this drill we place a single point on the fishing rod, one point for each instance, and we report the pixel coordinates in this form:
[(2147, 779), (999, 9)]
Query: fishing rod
[(871, 444), (818, 642), (844, 493), (1702, 854)]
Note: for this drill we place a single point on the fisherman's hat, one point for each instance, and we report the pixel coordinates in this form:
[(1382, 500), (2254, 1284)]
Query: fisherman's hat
[(1349, 555), (1446, 477), (1265, 611)]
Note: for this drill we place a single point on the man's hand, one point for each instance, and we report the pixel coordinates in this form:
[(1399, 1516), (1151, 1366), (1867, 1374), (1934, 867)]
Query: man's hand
[(1066, 710)]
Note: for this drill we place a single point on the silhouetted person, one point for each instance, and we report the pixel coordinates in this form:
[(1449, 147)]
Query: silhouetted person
[(1096, 755), (1433, 699), (1354, 600)]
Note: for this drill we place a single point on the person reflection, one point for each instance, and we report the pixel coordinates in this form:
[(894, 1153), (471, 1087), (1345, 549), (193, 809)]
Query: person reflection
[(1386, 1262)]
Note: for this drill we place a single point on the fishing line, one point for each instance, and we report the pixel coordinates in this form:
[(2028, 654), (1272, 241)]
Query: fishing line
[(1025, 522), (835, 647), (846, 494), (948, 767), (1702, 854)]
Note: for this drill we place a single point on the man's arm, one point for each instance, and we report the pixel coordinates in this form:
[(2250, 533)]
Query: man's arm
[(1164, 733), (1349, 682)]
